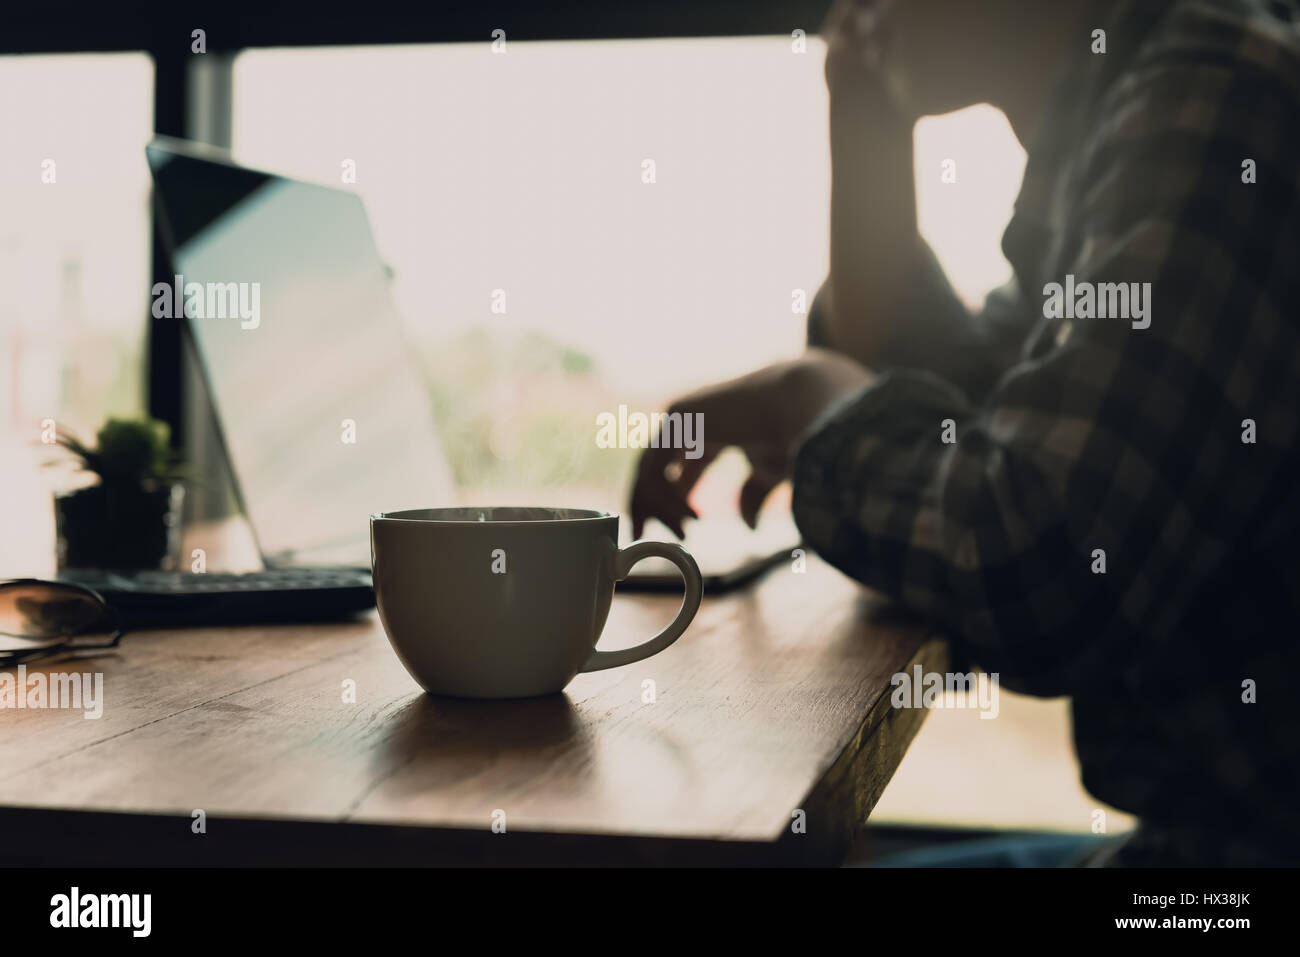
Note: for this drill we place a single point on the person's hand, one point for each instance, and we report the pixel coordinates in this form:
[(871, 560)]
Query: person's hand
[(764, 414), (856, 32)]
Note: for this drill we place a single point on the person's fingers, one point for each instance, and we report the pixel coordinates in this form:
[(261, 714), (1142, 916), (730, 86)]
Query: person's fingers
[(667, 474), (675, 517), (647, 487), (855, 38), (851, 20), (639, 515), (764, 477), (690, 469), (656, 493), (669, 510), (649, 503), (837, 16)]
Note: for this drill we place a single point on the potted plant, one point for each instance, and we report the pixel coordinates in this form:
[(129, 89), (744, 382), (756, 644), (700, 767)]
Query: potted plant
[(131, 517)]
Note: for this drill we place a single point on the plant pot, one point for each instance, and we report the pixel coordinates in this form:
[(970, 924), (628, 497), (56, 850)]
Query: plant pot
[(120, 526)]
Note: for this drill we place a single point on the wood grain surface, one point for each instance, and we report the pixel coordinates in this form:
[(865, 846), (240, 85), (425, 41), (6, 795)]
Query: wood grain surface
[(775, 702)]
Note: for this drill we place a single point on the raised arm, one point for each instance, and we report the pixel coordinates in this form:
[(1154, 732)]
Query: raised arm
[(887, 302)]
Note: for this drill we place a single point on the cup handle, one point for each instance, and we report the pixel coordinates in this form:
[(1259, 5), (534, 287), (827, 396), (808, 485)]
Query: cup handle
[(627, 557)]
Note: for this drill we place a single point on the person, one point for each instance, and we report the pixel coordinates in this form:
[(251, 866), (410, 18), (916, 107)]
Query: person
[(1090, 484)]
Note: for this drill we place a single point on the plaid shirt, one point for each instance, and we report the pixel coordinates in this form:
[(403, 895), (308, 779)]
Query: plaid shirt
[(1073, 436)]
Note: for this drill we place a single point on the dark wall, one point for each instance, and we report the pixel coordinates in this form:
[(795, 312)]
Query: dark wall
[(79, 26)]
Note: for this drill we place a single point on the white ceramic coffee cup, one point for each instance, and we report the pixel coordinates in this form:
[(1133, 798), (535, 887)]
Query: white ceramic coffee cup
[(508, 602)]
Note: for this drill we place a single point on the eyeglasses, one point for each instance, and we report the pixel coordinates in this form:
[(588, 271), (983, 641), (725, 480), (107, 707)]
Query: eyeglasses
[(40, 618)]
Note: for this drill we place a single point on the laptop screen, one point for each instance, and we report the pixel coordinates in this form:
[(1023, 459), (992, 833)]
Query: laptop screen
[(323, 412)]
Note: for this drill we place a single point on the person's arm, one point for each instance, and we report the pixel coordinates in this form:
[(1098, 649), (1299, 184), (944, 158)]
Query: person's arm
[(933, 331), (877, 257), (1120, 439), (887, 302)]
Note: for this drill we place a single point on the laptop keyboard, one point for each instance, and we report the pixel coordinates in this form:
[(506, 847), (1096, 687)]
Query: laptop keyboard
[(269, 579), (158, 599)]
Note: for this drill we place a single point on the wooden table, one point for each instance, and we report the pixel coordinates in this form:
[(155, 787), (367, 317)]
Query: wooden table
[(775, 702)]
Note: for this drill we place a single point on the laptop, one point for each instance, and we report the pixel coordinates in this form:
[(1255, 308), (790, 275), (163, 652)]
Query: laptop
[(321, 411)]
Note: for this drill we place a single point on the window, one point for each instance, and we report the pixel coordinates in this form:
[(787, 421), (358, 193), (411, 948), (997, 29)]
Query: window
[(520, 181), (74, 238), (74, 266)]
